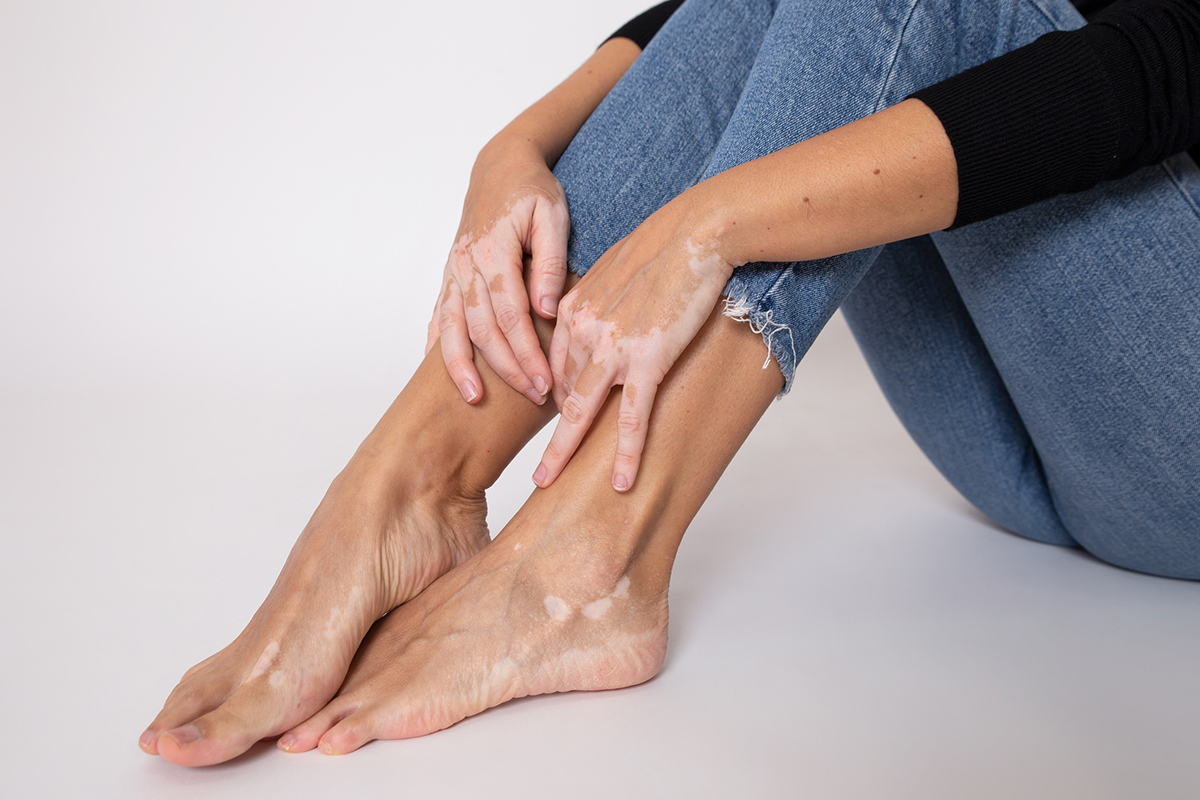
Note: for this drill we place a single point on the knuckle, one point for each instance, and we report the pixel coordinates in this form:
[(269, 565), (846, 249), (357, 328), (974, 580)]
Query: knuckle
[(456, 366), (508, 318), (449, 315), (553, 266), (573, 411), (555, 452), (480, 333), (629, 423)]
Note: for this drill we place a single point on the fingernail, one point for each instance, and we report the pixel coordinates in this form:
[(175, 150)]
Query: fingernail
[(185, 735), (620, 483), (539, 474), (287, 742), (147, 740), (534, 397), (542, 387), (468, 391), (549, 306)]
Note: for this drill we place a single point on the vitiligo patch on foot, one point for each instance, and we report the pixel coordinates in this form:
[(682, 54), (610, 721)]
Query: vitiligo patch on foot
[(598, 608), (557, 608), (270, 652)]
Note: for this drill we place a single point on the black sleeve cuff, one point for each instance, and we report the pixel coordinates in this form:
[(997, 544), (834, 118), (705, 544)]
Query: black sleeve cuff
[(1034, 123), (641, 29)]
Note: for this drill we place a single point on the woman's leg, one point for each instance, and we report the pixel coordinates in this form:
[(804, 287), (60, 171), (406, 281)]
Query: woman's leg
[(1047, 361), (936, 372), (410, 504), (1089, 305), (572, 595)]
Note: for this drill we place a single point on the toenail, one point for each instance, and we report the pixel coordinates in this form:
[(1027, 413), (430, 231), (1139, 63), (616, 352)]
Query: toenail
[(287, 742), (185, 735)]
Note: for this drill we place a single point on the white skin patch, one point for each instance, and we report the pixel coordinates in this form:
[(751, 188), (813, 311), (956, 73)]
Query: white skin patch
[(597, 608), (557, 608), (264, 661), (339, 616), (516, 547)]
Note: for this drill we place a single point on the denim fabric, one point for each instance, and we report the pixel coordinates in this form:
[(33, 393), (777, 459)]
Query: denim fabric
[(1046, 361)]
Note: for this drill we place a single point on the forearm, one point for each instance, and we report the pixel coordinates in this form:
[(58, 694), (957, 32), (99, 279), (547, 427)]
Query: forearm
[(549, 124), (888, 176)]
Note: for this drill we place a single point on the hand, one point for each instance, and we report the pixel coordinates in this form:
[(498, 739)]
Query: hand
[(626, 322), (514, 206)]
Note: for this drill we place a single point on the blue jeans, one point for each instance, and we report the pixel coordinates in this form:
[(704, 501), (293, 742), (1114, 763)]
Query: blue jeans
[(1046, 361)]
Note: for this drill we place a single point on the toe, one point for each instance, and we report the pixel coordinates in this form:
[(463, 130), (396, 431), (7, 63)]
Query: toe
[(350, 734), (251, 713), (304, 737), (189, 701)]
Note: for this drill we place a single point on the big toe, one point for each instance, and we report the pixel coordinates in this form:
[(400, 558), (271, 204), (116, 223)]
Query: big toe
[(188, 701), (249, 715)]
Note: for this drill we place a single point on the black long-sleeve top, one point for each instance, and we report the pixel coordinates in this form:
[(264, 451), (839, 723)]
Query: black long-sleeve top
[(1065, 112)]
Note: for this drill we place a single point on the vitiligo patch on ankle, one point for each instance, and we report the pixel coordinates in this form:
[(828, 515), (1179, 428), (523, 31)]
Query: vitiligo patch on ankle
[(598, 608), (557, 608)]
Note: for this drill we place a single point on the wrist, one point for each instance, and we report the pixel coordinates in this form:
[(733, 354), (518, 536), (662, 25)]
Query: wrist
[(714, 225), (514, 142)]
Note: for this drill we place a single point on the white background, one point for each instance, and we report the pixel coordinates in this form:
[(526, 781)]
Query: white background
[(222, 225)]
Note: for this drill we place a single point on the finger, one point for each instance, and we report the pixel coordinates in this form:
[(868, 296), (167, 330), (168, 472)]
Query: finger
[(456, 345), (579, 357), (549, 229), (578, 411), (512, 317), (486, 335), (633, 420), (560, 342)]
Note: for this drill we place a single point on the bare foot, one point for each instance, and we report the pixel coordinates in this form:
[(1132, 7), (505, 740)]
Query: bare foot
[(375, 541), (532, 614)]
